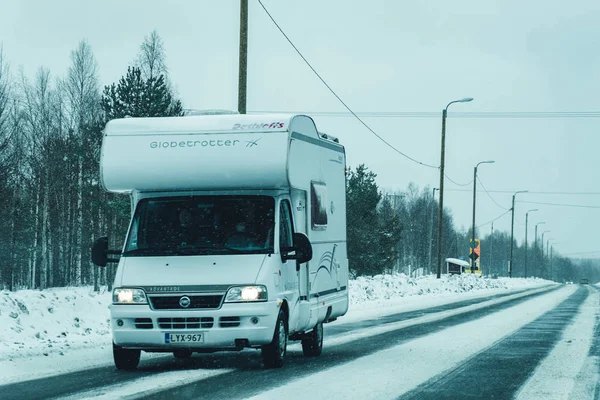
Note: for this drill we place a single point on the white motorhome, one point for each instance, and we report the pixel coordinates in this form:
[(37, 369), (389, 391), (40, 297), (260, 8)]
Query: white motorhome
[(237, 237)]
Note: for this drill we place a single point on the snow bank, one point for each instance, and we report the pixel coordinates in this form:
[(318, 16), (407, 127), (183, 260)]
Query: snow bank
[(387, 287), (34, 322), (54, 321)]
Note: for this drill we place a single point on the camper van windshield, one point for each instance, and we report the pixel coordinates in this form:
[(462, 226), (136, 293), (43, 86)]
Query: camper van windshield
[(202, 225)]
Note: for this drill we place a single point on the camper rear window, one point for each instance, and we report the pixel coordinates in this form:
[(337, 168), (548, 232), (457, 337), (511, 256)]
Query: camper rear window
[(202, 225), (318, 202)]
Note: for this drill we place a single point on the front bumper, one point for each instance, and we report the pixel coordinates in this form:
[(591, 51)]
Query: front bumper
[(139, 327)]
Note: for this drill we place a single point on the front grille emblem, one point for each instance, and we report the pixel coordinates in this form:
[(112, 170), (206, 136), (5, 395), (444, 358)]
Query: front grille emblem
[(184, 302)]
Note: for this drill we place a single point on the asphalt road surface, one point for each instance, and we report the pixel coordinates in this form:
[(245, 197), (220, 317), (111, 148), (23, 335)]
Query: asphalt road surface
[(501, 370)]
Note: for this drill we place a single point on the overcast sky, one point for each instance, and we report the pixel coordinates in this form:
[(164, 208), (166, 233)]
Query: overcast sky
[(380, 56)]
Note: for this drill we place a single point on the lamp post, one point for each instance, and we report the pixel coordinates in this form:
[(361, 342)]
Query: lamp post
[(543, 241), (431, 230), (474, 199), (548, 256), (547, 249), (536, 225), (442, 156), (512, 230), (526, 224), (551, 260)]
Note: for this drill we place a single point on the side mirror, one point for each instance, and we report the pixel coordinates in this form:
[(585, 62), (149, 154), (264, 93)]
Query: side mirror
[(100, 251), (303, 248)]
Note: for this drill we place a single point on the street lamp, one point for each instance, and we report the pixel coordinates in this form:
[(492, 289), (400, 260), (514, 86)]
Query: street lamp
[(536, 225), (526, 248), (547, 256), (512, 230), (551, 260), (474, 199), (543, 241), (443, 154), (431, 230), (547, 244)]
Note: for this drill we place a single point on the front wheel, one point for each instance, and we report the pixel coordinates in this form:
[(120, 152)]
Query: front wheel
[(312, 343), (273, 354), (126, 359)]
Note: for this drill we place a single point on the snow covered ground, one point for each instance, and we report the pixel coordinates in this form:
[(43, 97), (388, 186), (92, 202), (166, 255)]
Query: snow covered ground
[(70, 327), (34, 322)]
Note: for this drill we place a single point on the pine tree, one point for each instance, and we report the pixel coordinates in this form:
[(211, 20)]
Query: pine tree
[(363, 231), (135, 96), (389, 234)]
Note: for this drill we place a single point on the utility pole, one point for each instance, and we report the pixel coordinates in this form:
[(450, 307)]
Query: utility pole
[(491, 247), (243, 60), (512, 231), (472, 244), (441, 206), (442, 164), (399, 245), (431, 230)]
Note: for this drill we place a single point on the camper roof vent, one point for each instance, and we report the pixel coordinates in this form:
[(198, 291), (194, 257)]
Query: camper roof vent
[(325, 136)]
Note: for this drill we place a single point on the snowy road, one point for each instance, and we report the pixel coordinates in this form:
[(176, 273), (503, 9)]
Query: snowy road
[(541, 343)]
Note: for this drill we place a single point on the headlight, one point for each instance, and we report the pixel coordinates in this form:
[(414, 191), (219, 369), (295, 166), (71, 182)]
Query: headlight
[(129, 296), (246, 293)]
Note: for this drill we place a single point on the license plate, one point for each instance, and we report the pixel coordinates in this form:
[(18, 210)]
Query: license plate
[(184, 338)]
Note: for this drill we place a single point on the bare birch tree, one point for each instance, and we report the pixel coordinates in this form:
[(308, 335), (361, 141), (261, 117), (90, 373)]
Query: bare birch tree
[(82, 89), (152, 58)]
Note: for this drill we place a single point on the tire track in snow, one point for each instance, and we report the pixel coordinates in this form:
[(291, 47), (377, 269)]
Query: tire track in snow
[(595, 352), (393, 371), (501, 370), (338, 329), (570, 371)]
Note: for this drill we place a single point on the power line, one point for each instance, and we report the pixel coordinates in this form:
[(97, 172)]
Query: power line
[(559, 204), (430, 114), (495, 219), (490, 196), (519, 222), (338, 97), (456, 183), (531, 192)]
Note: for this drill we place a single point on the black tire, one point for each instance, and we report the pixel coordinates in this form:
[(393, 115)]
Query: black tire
[(312, 342), (126, 359), (273, 354), (182, 354)]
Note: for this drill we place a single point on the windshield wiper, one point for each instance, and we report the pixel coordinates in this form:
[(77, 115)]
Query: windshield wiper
[(193, 250), (149, 252)]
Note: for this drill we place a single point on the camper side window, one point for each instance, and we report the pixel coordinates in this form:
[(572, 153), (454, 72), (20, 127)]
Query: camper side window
[(318, 205), (285, 226)]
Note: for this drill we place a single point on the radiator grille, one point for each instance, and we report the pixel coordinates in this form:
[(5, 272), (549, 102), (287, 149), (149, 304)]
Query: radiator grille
[(196, 302), (186, 323)]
